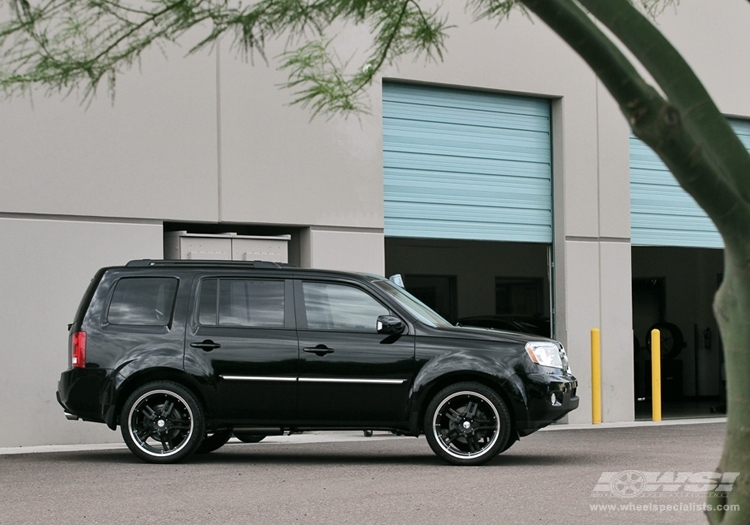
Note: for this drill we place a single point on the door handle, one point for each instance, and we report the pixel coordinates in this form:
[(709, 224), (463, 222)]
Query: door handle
[(319, 350), (206, 345)]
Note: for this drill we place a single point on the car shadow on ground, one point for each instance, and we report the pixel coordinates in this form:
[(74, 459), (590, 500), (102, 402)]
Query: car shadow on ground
[(322, 455)]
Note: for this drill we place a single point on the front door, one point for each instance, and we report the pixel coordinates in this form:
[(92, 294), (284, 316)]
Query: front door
[(349, 373)]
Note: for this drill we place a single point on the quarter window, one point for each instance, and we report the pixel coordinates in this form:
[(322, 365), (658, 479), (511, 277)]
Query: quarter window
[(241, 302), (339, 307), (144, 301)]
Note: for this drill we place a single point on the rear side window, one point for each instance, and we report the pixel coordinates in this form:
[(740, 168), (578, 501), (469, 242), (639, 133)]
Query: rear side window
[(252, 303), (143, 301)]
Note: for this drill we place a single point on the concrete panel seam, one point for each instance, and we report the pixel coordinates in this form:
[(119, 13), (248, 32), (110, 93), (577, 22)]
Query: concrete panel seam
[(79, 218), (349, 229), (597, 239)]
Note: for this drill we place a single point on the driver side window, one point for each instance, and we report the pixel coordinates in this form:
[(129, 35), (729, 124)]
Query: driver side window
[(332, 306)]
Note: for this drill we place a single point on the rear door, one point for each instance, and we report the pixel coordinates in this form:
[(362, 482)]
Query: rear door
[(349, 373), (243, 339)]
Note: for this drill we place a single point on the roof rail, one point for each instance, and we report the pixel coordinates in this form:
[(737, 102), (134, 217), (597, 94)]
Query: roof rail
[(144, 263)]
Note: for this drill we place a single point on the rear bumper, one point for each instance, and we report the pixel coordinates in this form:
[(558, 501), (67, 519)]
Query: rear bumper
[(68, 415), (78, 392), (550, 397)]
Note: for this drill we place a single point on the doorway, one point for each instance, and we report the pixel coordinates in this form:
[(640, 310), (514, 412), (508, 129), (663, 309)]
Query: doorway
[(673, 291)]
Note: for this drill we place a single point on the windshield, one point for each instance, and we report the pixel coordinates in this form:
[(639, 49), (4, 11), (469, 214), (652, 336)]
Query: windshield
[(416, 307)]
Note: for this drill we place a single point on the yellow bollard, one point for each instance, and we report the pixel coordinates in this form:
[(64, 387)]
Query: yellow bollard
[(596, 377), (655, 375)]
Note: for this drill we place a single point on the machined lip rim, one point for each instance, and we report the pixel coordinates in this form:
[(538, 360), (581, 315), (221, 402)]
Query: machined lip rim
[(140, 443), (452, 451)]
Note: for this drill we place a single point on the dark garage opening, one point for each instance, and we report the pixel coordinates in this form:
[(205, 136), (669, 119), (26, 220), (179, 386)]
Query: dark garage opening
[(673, 290), (499, 282)]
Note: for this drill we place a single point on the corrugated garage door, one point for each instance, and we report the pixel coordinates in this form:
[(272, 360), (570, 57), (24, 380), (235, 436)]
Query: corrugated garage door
[(661, 212), (462, 164)]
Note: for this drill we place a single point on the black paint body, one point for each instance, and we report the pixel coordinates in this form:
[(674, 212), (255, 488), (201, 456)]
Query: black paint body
[(294, 378)]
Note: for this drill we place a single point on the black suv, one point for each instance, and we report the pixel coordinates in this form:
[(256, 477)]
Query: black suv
[(181, 354)]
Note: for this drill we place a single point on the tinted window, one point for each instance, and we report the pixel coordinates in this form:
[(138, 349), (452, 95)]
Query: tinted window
[(208, 303), (142, 301), (339, 307), (241, 302)]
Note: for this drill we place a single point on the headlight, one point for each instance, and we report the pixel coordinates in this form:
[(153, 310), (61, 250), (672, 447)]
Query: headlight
[(544, 353)]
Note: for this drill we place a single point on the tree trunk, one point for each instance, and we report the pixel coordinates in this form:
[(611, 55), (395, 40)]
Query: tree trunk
[(685, 128), (732, 310)]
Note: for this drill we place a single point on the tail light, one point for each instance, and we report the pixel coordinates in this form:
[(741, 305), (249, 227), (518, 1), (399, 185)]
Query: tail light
[(78, 349)]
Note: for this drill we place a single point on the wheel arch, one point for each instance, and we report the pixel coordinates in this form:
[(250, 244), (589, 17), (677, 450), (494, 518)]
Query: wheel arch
[(497, 385), (128, 385)]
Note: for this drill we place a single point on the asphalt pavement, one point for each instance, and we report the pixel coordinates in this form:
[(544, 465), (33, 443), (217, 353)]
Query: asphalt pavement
[(631, 473)]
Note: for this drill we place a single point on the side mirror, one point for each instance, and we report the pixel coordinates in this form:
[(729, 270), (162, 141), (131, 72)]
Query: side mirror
[(397, 280), (390, 324)]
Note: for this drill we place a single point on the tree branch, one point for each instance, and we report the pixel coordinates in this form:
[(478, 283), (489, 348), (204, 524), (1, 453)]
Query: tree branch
[(678, 81), (653, 118)]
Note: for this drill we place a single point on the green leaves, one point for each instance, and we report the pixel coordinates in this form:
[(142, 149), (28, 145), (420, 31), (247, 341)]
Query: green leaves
[(316, 75), (64, 45), (71, 45), (328, 84)]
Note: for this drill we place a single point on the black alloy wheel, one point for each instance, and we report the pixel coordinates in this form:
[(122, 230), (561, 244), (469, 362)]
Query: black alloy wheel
[(467, 424), (162, 422)]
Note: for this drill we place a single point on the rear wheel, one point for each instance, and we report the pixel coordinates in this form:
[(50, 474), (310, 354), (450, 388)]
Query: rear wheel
[(161, 422), (248, 437), (467, 424)]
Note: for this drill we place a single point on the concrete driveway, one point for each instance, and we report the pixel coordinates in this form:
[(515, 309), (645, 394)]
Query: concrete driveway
[(612, 474)]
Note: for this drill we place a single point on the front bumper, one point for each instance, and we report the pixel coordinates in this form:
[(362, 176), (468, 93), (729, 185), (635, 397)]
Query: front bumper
[(549, 398)]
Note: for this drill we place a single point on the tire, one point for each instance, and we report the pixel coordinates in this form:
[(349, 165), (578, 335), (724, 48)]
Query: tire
[(467, 424), (510, 443), (249, 437), (215, 441), (671, 338), (162, 422)]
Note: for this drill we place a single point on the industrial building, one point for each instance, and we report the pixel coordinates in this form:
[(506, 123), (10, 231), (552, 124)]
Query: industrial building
[(500, 182)]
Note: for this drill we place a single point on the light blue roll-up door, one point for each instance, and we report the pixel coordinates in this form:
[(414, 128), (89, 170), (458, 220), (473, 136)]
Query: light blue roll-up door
[(461, 164), (661, 212)]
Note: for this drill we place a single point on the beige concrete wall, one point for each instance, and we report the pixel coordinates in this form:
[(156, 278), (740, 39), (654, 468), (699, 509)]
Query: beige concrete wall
[(354, 251), (278, 166), (209, 138), (712, 37), (151, 154), (47, 265)]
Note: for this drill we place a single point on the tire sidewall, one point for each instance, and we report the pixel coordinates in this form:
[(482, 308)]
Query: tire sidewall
[(196, 414), (503, 420)]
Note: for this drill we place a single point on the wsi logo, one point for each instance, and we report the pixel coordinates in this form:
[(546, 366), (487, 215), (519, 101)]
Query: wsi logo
[(632, 483)]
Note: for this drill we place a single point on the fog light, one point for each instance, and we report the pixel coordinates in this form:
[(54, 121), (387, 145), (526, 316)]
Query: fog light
[(553, 400)]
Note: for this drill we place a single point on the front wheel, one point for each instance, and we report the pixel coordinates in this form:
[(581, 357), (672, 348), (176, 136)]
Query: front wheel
[(161, 422), (467, 424)]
